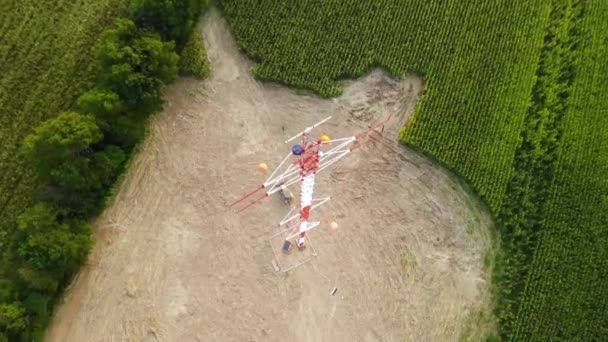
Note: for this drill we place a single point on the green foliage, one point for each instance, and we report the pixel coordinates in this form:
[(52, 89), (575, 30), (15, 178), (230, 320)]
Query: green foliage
[(38, 280), (105, 104), (193, 59), (38, 306), (126, 131), (173, 19), (61, 146), (120, 127), (12, 318), (46, 245), (136, 64), (565, 294), (523, 211), (7, 290), (37, 303), (108, 162), (73, 158), (61, 152)]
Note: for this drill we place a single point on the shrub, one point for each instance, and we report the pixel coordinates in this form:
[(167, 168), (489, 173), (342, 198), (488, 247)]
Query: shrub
[(61, 151), (12, 318), (47, 243), (136, 64), (6, 290), (104, 103), (193, 60), (60, 147)]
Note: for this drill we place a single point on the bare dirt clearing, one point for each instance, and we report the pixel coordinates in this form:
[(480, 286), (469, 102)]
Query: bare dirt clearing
[(172, 263)]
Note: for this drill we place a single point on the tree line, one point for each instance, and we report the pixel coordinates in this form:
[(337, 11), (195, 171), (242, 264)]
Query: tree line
[(79, 154)]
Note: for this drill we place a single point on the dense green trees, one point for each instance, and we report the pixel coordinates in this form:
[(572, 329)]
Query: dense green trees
[(50, 246), (12, 318), (61, 151), (136, 64), (173, 19), (57, 142), (47, 60), (106, 105), (120, 127), (77, 155)]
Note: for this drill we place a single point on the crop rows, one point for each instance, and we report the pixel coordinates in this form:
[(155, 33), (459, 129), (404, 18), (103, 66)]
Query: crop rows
[(478, 61), (525, 203), (45, 63), (566, 295)]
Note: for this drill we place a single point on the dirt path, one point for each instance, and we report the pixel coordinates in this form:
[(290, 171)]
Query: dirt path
[(172, 263)]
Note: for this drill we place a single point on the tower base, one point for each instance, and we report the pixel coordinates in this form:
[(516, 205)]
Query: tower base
[(286, 257)]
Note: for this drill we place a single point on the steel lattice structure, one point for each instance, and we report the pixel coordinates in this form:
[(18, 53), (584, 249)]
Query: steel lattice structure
[(308, 158)]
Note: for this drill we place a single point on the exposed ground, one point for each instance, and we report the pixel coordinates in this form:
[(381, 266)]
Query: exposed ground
[(173, 263)]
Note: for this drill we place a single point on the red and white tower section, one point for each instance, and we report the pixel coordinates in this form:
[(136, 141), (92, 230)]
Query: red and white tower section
[(306, 159), (309, 158)]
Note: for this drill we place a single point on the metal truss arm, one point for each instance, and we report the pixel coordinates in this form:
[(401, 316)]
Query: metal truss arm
[(287, 219), (308, 129)]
